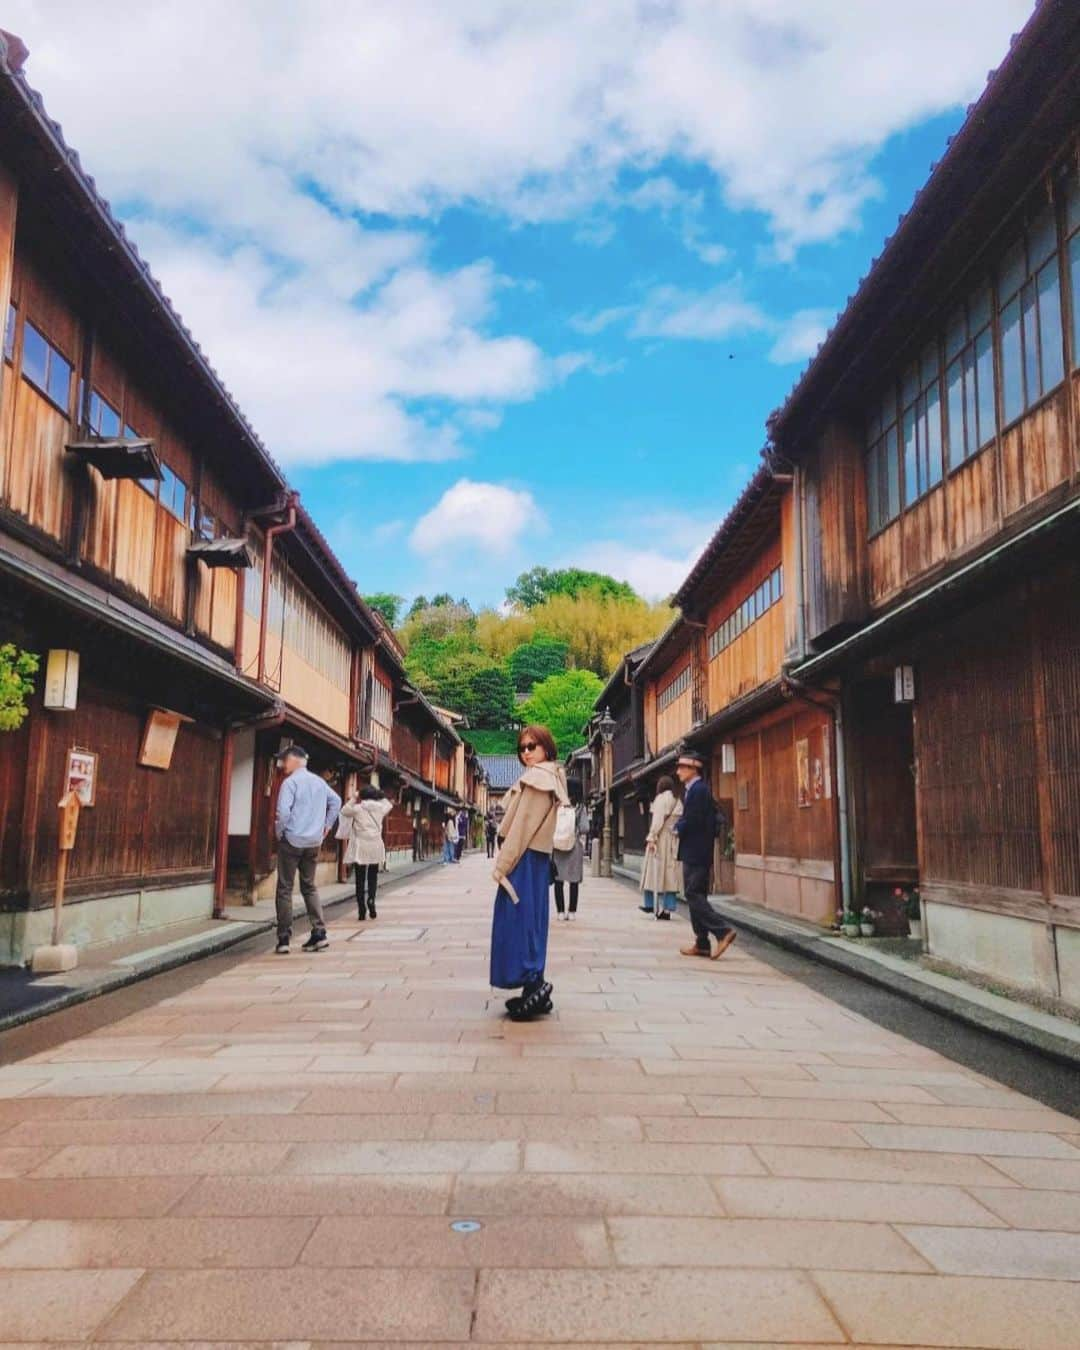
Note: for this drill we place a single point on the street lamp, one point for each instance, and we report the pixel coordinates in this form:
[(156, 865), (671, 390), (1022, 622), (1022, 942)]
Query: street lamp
[(606, 727)]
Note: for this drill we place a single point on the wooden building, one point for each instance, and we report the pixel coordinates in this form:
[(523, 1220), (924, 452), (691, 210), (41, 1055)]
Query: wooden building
[(149, 542), (937, 477)]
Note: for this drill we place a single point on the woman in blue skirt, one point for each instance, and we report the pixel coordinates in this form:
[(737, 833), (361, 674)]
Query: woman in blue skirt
[(519, 928)]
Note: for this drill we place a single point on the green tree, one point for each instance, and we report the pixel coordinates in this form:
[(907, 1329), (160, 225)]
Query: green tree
[(563, 703), (387, 604), (532, 588), (599, 631), (17, 669), (535, 661)]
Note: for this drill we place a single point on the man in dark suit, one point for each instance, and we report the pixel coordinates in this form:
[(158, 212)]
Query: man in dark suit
[(696, 829)]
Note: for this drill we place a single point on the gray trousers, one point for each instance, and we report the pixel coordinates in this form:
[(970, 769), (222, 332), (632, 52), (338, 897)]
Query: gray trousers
[(289, 861)]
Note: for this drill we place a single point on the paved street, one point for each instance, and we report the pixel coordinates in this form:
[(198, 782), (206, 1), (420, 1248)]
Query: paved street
[(687, 1153)]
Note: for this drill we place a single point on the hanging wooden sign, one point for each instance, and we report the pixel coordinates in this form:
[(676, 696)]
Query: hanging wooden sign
[(159, 738)]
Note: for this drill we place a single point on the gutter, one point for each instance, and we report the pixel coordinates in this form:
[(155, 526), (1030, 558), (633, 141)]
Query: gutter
[(272, 532)]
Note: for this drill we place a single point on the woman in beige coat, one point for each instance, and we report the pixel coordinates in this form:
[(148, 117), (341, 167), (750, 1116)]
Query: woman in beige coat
[(519, 927), (660, 868), (365, 851)]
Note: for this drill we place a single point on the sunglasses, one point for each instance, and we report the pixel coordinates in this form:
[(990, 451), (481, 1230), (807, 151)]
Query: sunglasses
[(526, 746)]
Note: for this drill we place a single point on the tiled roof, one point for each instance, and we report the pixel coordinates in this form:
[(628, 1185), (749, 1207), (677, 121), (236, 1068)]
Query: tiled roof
[(502, 771)]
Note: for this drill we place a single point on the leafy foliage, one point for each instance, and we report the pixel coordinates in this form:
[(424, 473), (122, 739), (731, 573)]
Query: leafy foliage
[(17, 669), (386, 604), (535, 661), (600, 631), (493, 742), (540, 584), (563, 703)]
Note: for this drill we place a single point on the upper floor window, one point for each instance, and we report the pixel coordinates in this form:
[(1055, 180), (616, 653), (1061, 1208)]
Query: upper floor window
[(9, 332), (174, 495), (1072, 249), (673, 689), (767, 594), (920, 424), (883, 463), (971, 399), (46, 367), (1029, 310), (102, 417), (207, 525)]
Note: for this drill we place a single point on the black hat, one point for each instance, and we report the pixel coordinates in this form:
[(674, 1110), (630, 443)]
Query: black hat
[(297, 750)]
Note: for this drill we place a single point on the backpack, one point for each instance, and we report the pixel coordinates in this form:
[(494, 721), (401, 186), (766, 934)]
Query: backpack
[(565, 829)]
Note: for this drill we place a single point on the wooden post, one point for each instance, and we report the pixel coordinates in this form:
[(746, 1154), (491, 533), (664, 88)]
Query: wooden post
[(58, 956)]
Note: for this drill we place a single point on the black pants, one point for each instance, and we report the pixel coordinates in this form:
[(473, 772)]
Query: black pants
[(703, 918), (560, 899), (366, 873), (491, 846)]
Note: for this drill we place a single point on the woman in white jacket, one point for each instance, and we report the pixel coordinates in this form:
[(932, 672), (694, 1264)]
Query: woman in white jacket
[(365, 849), (660, 868)]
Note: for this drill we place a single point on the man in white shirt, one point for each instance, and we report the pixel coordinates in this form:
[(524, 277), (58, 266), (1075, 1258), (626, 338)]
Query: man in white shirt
[(307, 808)]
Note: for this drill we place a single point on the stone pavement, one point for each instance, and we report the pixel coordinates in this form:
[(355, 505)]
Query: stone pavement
[(687, 1153)]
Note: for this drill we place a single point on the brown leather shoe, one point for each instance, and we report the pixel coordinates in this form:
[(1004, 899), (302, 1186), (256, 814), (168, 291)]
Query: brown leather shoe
[(723, 944), (693, 951)]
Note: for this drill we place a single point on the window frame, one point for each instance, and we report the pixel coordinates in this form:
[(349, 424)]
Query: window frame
[(51, 351), (1025, 298), (767, 593)]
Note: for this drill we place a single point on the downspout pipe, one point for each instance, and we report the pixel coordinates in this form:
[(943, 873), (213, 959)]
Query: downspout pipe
[(283, 527), (833, 703), (260, 722)]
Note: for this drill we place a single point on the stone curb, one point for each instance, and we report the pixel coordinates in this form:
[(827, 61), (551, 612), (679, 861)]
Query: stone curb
[(917, 991), (213, 946)]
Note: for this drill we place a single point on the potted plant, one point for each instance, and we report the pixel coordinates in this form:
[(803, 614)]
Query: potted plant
[(725, 871), (866, 922), (849, 922)]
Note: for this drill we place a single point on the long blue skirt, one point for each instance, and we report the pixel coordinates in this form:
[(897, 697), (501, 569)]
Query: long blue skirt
[(519, 933)]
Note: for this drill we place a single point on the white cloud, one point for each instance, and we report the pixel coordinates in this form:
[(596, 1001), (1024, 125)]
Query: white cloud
[(798, 338), (267, 126), (653, 572), (721, 312), (477, 518)]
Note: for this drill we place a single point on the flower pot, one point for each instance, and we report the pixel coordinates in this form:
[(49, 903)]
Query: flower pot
[(866, 929), (915, 929), (850, 930)]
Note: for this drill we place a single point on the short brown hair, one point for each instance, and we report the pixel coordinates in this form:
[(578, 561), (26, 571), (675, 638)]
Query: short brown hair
[(665, 784), (542, 737)]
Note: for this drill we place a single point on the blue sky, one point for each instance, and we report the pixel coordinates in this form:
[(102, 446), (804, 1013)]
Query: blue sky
[(504, 284)]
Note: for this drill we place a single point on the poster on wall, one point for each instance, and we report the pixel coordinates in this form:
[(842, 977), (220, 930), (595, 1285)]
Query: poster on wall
[(802, 771), (80, 776)]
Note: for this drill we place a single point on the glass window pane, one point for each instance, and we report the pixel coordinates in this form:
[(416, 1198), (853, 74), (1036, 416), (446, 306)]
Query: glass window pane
[(955, 335), (9, 332), (910, 388), (892, 475), (35, 357), (60, 372), (1072, 205), (954, 397), (110, 420), (933, 434), (888, 406), (1032, 387), (780, 579), (1074, 282), (1042, 238), (1053, 360), (987, 400), (1012, 376), (979, 309), (928, 364), (911, 462), (1013, 272), (873, 510), (971, 410)]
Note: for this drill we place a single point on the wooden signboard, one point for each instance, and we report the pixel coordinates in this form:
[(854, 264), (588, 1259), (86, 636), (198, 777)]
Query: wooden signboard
[(80, 776), (159, 738)]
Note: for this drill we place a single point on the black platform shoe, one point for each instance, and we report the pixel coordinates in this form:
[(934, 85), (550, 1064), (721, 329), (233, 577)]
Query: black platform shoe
[(534, 1002), (371, 910)]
